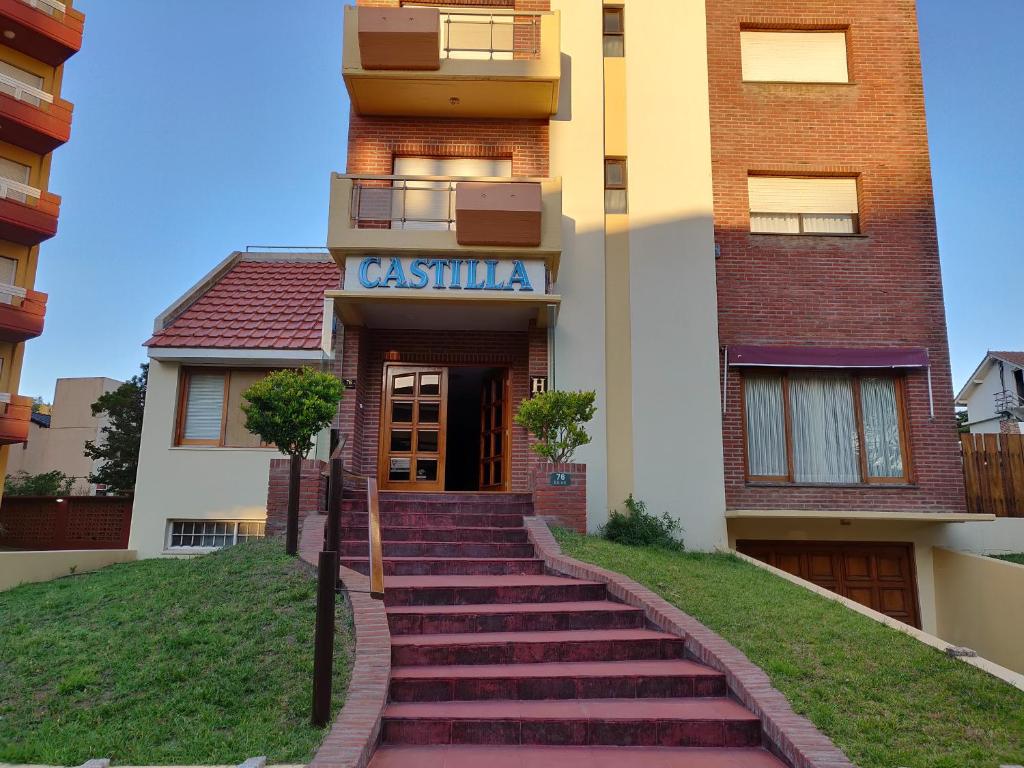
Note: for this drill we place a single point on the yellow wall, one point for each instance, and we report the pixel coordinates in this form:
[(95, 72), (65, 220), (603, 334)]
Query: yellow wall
[(28, 567), (980, 605)]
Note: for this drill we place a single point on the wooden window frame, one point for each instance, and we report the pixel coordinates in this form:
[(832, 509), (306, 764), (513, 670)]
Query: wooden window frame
[(855, 377), (184, 380), (614, 10)]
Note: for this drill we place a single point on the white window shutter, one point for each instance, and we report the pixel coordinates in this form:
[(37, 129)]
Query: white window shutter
[(205, 406), (776, 194), (794, 56)]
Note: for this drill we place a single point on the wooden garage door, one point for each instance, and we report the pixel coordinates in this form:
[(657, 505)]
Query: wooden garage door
[(878, 575)]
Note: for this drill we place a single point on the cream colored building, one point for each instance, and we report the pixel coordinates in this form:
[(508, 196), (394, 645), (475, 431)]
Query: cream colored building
[(60, 445)]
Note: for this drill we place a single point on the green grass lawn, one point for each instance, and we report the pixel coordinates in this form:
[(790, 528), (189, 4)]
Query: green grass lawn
[(201, 661), (1017, 558), (884, 698)]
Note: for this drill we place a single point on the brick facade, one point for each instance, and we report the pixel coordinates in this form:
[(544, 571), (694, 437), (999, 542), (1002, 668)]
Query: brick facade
[(878, 289), (312, 493), (564, 506)]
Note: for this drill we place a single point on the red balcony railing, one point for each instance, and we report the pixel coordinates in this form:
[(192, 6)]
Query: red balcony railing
[(31, 118), (22, 313), (15, 416), (27, 215)]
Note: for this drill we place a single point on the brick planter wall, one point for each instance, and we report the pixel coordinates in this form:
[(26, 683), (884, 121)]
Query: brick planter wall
[(564, 506), (312, 492)]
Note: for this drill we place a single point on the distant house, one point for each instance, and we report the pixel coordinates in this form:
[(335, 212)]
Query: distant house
[(57, 439), (994, 395)]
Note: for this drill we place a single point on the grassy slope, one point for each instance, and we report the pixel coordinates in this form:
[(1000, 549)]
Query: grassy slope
[(884, 698), (203, 661), (1018, 558)]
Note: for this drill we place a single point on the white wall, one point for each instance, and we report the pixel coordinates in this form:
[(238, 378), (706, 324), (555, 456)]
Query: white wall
[(1004, 536), (677, 427), (981, 401), (189, 482)]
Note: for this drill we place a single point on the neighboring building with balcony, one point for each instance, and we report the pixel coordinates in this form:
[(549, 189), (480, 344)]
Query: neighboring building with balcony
[(711, 214), (36, 38), (994, 394)]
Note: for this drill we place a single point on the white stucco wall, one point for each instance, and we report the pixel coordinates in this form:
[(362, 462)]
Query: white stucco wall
[(981, 399), (189, 482)]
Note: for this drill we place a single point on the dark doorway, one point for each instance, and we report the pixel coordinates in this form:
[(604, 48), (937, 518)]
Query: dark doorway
[(465, 390)]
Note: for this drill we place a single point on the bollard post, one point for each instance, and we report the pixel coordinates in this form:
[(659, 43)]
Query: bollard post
[(323, 640)]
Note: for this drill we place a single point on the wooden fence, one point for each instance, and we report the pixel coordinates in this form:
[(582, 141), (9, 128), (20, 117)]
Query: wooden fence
[(71, 522), (994, 474)]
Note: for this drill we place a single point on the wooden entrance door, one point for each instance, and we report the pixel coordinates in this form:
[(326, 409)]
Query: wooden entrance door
[(414, 418), (494, 431), (878, 575)]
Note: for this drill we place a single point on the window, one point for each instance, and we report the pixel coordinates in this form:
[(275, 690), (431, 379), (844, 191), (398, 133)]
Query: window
[(615, 196), (12, 80), (8, 273), (794, 56), (825, 428), (803, 205), (212, 534), (16, 172), (614, 31), (210, 410)]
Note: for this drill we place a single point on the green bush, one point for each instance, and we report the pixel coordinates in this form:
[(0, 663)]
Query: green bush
[(53, 483), (288, 408), (557, 420), (638, 528)]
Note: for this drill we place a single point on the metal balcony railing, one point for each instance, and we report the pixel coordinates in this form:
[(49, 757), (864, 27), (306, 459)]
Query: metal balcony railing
[(491, 35), (51, 7), (15, 190), (22, 91), (1009, 403)]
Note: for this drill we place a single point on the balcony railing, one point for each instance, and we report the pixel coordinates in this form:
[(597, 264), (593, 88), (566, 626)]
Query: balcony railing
[(15, 190), (490, 36), (23, 92), (15, 416), (51, 7)]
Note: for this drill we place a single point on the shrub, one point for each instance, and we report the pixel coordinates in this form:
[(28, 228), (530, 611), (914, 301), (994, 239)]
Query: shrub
[(53, 483), (638, 528), (557, 420)]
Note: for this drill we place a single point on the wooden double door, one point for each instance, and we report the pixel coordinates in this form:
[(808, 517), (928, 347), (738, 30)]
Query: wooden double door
[(414, 428), (878, 575)]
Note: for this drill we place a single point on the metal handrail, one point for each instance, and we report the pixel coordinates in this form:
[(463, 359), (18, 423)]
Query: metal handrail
[(489, 18), (10, 185), (21, 89), (376, 548), (44, 5), (487, 179)]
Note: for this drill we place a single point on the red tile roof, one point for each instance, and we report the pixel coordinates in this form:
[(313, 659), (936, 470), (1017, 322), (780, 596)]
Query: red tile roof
[(1017, 358), (256, 305)]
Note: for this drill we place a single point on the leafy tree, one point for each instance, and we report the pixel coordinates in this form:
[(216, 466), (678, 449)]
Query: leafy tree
[(961, 422), (287, 409), (118, 448), (54, 483), (558, 421)]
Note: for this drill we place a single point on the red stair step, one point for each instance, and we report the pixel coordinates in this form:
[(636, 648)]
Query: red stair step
[(692, 722), (535, 647), (436, 519), (581, 680), (512, 617), (441, 549), (472, 756), (478, 590), (451, 566), (485, 535)]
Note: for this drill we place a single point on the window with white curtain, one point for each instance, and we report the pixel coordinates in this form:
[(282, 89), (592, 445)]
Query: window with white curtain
[(824, 428), (211, 407), (782, 205)]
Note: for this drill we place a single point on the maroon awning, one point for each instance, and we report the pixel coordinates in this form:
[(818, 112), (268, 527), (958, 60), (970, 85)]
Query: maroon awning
[(828, 357)]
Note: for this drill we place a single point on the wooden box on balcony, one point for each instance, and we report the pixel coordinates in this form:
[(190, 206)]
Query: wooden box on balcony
[(498, 213), (400, 38)]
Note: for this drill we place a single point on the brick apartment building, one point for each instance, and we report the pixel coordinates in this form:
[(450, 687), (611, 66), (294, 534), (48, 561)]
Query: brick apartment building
[(718, 216), (36, 38)]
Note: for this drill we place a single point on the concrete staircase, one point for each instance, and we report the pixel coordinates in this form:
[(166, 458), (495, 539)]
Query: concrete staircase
[(496, 663)]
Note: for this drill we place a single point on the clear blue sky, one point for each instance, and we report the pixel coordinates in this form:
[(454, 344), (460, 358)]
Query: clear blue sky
[(203, 126)]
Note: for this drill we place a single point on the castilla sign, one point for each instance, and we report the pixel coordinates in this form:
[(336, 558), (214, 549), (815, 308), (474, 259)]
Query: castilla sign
[(375, 273)]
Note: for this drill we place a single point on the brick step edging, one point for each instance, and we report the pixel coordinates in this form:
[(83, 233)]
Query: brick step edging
[(356, 730), (789, 735)]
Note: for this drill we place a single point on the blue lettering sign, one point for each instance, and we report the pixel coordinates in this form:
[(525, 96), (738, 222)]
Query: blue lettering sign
[(519, 276), (419, 271), (471, 283), (492, 275), (396, 274), (456, 266), (364, 273), (443, 274)]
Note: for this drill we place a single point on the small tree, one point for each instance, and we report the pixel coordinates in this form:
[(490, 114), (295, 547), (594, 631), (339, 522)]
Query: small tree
[(558, 420), (118, 450), (287, 409), (53, 483)]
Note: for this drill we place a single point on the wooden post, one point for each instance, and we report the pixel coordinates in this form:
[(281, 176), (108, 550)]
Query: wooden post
[(323, 638), (291, 536)]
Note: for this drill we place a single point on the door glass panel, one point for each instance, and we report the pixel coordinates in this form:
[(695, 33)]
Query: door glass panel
[(401, 440), (427, 442), (496, 468), (430, 413), (487, 420), (498, 416), (403, 385), (426, 470), (398, 469), (497, 443), (430, 384), (401, 413)]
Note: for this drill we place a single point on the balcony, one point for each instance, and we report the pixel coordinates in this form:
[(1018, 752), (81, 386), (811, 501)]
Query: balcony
[(28, 216), (44, 29), (31, 118), (22, 313), (15, 417), (446, 215), (421, 62)]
